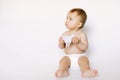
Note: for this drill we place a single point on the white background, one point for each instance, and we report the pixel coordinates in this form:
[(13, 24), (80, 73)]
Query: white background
[(29, 32)]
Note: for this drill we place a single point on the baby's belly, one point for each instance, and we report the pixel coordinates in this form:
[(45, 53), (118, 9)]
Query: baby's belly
[(72, 50)]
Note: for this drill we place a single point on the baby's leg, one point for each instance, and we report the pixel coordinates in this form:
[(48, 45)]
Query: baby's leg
[(63, 67), (85, 68)]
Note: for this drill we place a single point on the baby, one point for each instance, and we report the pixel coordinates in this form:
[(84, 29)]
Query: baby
[(74, 42)]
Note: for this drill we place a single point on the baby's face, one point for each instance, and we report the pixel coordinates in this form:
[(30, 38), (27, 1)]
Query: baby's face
[(73, 21)]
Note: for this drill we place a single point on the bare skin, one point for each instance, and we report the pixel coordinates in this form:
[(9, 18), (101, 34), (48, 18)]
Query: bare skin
[(83, 62), (79, 45), (64, 65), (85, 68)]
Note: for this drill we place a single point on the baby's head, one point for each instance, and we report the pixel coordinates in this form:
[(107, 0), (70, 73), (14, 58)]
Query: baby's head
[(76, 18)]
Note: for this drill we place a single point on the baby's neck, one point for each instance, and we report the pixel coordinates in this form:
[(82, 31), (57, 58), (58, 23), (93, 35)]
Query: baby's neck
[(74, 31)]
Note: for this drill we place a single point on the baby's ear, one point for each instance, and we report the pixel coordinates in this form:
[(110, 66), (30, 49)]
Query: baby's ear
[(80, 24)]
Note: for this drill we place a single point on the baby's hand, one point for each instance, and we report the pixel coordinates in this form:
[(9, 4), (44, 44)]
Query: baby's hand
[(75, 40), (61, 40), (61, 43)]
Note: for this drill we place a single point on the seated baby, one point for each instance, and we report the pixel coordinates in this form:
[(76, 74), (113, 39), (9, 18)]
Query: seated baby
[(74, 42)]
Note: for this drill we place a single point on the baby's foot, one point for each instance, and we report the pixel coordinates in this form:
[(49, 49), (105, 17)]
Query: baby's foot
[(89, 74), (60, 73)]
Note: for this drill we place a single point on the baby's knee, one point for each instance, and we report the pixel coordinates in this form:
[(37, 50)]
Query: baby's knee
[(65, 61), (82, 59), (66, 58)]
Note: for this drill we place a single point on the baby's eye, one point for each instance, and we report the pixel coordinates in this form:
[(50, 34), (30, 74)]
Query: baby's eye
[(70, 19)]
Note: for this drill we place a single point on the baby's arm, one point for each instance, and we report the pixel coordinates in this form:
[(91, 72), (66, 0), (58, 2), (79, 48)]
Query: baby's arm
[(83, 42), (61, 43)]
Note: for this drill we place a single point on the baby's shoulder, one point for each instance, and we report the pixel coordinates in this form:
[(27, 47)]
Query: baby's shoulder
[(81, 32)]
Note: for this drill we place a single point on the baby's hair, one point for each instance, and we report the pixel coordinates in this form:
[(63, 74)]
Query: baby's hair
[(80, 13)]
